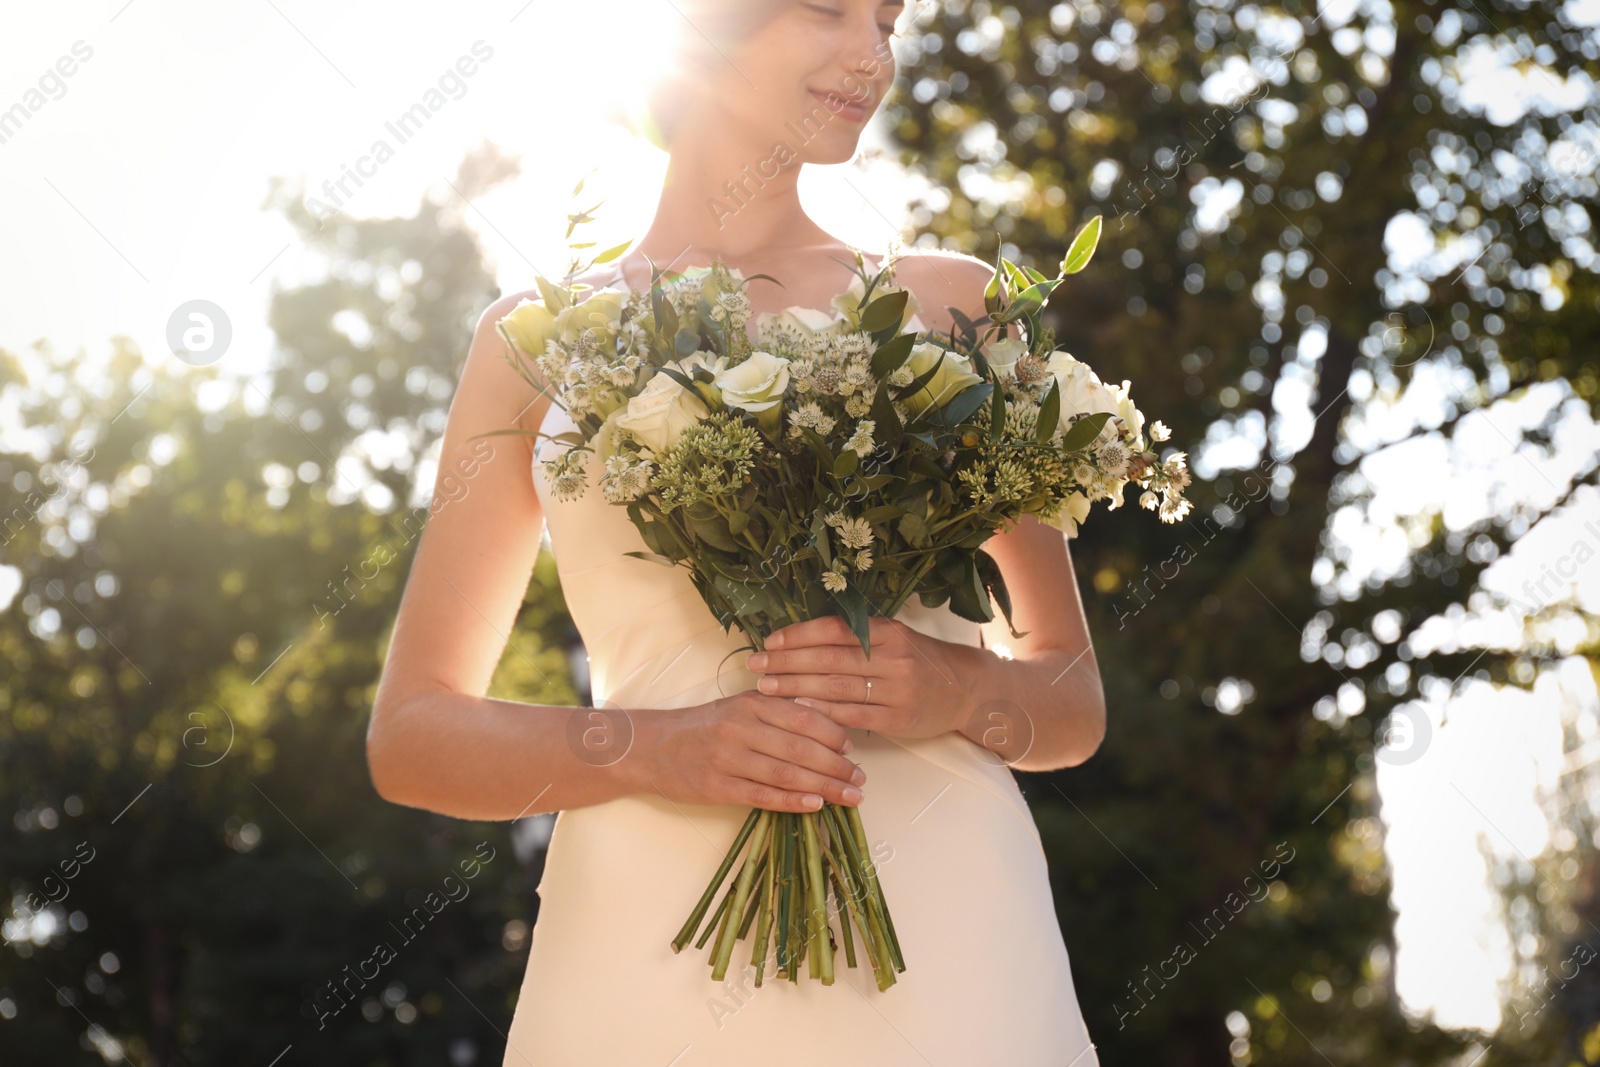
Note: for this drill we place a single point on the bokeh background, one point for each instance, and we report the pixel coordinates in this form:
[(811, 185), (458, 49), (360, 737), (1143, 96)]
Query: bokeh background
[(1349, 256)]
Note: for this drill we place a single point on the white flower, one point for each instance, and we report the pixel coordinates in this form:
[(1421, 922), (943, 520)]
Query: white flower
[(864, 560), (798, 326), (1082, 391), (1159, 431), (833, 581), (756, 384), (659, 415), (1073, 512), (855, 533), (600, 311), (1131, 416), (625, 480), (954, 375), (861, 441), (1004, 353)]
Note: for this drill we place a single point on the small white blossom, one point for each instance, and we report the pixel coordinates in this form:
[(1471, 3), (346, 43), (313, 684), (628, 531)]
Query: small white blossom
[(833, 581)]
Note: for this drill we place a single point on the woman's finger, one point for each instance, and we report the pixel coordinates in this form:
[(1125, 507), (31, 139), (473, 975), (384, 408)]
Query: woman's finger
[(840, 688), (819, 659), (805, 755), (804, 722), (781, 774), (859, 716)]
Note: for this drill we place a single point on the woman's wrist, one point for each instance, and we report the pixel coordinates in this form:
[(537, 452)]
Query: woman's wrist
[(991, 713)]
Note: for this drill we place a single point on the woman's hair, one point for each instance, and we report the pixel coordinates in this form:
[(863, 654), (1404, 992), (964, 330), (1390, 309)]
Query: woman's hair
[(709, 32)]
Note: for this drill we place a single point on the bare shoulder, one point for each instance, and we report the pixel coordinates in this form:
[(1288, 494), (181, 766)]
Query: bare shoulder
[(941, 280)]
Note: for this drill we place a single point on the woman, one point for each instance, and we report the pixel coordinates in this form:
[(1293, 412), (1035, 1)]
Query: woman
[(691, 731)]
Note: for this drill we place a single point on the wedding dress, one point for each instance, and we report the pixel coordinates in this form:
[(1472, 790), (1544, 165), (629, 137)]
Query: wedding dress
[(987, 977)]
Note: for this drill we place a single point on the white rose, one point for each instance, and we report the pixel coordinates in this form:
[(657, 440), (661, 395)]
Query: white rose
[(954, 375), (601, 311), (1073, 512), (708, 361), (1131, 416), (756, 384), (1082, 391), (1004, 353), (657, 417)]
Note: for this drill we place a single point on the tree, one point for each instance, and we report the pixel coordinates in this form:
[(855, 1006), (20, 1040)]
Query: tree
[(1250, 163), (198, 868)]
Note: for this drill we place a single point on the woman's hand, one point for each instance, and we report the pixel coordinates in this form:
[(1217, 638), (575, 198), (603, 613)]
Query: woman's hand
[(913, 685), (751, 750)]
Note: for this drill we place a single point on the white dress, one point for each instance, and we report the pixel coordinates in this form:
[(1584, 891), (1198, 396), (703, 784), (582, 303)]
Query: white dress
[(987, 978)]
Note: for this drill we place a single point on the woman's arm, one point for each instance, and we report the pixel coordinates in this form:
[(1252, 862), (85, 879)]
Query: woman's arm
[(436, 742)]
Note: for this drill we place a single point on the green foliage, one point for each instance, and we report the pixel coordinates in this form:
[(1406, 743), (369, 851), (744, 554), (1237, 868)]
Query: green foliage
[(1075, 110), (185, 681)]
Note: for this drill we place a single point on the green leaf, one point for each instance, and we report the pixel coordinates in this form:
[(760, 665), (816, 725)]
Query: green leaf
[(1084, 431), (1049, 412), (890, 356), (846, 464), (652, 557), (858, 613), (1029, 300), (677, 376), (994, 294), (966, 402), (921, 380), (612, 253), (554, 299), (737, 522), (1082, 247), (887, 310), (885, 419), (968, 597)]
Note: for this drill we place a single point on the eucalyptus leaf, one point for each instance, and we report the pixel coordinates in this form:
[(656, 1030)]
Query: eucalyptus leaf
[(1084, 431)]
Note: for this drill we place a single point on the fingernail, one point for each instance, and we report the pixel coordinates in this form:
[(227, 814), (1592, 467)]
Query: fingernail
[(814, 801), (756, 662), (767, 685), (858, 776), (852, 794), (848, 744), (775, 641)]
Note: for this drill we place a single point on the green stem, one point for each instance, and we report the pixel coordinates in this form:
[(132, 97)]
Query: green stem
[(727, 934), (821, 948), (693, 923)]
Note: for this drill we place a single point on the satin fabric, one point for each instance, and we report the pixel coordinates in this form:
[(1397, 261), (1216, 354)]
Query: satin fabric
[(988, 979)]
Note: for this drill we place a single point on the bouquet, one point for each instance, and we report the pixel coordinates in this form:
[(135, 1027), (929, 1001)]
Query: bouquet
[(837, 464)]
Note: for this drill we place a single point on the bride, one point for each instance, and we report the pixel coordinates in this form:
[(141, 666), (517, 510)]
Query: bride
[(690, 730)]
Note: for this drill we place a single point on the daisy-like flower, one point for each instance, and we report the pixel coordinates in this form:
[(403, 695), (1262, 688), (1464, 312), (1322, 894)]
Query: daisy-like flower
[(902, 376), (861, 441), (855, 533), (864, 559), (833, 581), (857, 405), (1148, 500), (810, 416), (1114, 459), (1174, 508), (626, 480), (1159, 431)]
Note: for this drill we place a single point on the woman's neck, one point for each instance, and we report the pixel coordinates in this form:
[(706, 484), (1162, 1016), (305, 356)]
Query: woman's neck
[(722, 195)]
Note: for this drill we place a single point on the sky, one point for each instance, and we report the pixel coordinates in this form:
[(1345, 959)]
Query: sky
[(139, 185)]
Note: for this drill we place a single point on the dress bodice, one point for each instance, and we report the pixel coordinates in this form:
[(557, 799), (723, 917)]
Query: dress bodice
[(651, 639)]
